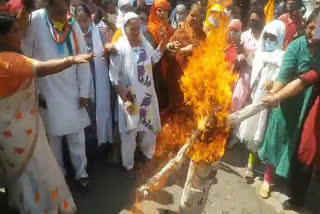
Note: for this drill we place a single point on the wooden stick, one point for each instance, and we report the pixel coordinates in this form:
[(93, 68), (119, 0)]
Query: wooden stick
[(159, 180)]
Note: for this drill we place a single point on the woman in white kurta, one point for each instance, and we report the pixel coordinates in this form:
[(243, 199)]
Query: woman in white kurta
[(265, 68), (28, 169), (131, 73), (100, 115)]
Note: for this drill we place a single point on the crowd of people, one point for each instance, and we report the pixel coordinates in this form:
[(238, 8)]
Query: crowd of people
[(98, 73)]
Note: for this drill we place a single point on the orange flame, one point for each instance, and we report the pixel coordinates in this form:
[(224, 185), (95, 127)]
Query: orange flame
[(222, 2), (206, 85), (269, 11)]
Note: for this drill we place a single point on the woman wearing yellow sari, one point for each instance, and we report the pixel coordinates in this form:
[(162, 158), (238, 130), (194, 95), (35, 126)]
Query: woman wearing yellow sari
[(28, 169)]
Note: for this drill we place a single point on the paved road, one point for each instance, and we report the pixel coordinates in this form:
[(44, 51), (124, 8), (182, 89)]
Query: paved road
[(111, 192)]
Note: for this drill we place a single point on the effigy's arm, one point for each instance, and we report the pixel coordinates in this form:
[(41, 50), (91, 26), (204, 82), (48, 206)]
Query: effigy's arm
[(245, 113)]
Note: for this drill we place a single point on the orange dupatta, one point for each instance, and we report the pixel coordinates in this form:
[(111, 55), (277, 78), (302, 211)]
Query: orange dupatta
[(155, 25)]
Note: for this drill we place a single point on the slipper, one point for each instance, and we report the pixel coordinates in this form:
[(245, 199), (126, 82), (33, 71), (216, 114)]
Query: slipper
[(248, 177), (265, 190)]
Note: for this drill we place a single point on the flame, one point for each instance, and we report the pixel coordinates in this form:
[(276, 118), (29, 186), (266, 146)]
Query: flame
[(173, 135), (222, 2), (206, 85), (269, 11)]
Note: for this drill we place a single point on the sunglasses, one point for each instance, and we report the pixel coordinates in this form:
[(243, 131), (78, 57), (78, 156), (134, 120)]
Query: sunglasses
[(269, 36)]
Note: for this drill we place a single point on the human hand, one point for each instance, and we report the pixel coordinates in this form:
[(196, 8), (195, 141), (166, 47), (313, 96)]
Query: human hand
[(83, 58), (130, 107), (130, 97), (241, 58), (174, 46), (109, 48), (164, 35), (271, 100), (268, 85), (187, 49), (83, 102)]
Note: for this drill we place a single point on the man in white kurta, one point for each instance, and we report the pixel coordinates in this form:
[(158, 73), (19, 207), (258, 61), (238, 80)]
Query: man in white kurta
[(61, 92)]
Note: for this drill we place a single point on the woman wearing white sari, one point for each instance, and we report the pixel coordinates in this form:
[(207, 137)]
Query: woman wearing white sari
[(265, 68), (99, 108), (131, 74)]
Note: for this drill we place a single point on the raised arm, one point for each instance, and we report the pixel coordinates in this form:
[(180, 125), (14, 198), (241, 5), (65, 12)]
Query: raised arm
[(57, 65)]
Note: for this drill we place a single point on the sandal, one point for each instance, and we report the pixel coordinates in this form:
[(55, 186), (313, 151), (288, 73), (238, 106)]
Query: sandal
[(248, 177), (291, 204), (265, 190)]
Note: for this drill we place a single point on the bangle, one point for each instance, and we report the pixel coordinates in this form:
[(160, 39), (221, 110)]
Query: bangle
[(277, 98), (73, 60), (70, 60)]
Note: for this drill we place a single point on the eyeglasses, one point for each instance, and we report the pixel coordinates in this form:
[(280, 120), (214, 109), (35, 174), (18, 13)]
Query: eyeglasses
[(269, 36)]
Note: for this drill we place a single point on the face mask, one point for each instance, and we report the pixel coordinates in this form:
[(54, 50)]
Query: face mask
[(72, 10), (256, 25), (180, 17), (58, 25), (143, 28), (291, 7), (234, 34), (270, 45), (112, 18), (227, 12), (213, 21)]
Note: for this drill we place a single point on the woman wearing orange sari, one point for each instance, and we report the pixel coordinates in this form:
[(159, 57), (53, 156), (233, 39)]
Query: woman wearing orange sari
[(189, 35), (159, 23), (28, 169)]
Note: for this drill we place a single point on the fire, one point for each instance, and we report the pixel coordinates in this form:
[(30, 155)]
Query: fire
[(206, 85), (269, 11), (222, 2)]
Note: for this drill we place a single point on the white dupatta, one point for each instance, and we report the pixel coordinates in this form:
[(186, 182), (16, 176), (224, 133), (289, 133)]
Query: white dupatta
[(264, 61), (102, 95), (127, 67), (265, 67)]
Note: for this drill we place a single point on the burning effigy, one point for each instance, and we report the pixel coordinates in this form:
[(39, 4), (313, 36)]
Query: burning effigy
[(200, 136)]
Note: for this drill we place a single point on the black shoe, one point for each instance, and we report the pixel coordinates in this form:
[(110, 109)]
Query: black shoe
[(291, 204), (131, 173), (84, 182)]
